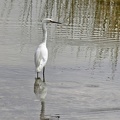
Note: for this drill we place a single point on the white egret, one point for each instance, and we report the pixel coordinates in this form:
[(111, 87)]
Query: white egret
[(41, 54)]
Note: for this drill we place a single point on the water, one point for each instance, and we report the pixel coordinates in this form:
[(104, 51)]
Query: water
[(82, 73)]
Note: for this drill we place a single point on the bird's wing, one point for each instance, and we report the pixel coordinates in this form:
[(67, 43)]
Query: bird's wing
[(41, 56), (44, 56), (37, 58)]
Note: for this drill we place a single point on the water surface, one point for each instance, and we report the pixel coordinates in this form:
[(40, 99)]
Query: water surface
[(82, 73)]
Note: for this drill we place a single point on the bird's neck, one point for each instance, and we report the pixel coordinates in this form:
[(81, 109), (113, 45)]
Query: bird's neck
[(44, 27)]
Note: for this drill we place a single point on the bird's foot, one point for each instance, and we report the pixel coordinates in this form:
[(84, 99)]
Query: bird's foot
[(37, 77)]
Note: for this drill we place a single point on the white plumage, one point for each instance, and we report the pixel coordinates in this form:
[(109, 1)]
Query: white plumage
[(41, 54), (41, 57)]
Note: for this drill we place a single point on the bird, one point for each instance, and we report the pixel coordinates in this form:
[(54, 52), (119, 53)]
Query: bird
[(41, 53)]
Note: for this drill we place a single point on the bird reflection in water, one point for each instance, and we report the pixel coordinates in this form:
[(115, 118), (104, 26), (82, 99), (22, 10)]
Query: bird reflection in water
[(40, 89)]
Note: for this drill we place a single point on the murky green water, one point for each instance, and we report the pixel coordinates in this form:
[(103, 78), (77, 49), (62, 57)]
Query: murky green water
[(82, 73)]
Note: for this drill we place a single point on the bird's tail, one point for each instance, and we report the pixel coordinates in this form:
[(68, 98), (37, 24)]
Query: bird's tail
[(39, 68)]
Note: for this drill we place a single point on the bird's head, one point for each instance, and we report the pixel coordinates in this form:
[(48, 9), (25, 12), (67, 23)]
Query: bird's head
[(48, 20)]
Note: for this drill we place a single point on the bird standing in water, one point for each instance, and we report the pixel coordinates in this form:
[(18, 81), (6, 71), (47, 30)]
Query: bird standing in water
[(41, 54)]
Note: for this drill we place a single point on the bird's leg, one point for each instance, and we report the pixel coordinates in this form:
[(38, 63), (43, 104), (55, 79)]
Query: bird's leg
[(43, 74), (37, 75)]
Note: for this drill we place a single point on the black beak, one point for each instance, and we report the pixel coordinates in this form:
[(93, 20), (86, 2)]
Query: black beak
[(55, 22)]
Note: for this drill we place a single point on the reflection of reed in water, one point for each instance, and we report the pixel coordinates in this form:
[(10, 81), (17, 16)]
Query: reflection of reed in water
[(106, 18), (100, 17)]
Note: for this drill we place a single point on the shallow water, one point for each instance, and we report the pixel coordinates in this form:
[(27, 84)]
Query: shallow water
[(82, 73)]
